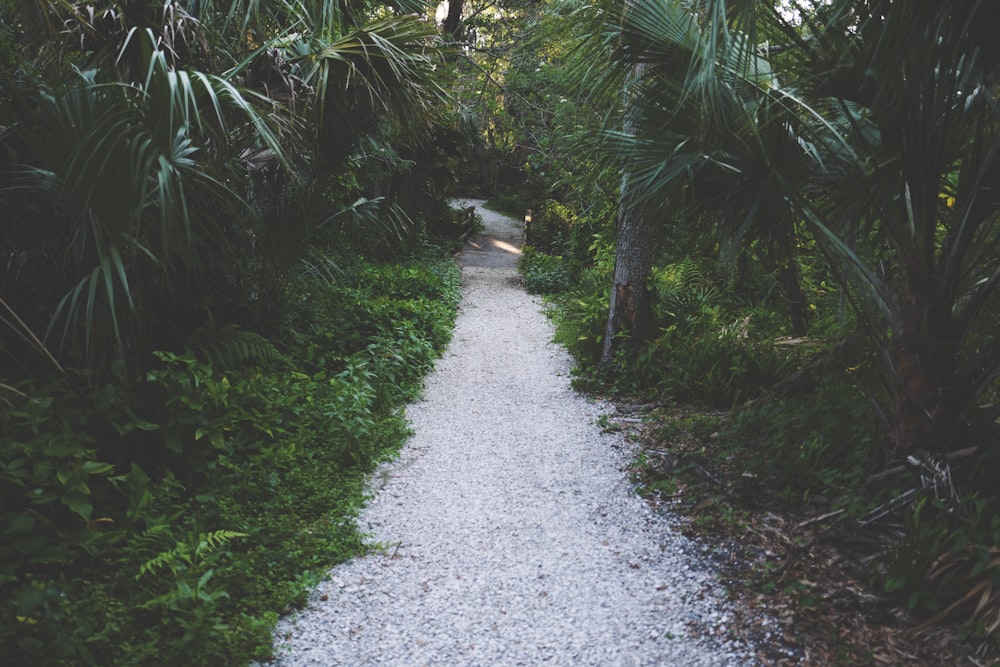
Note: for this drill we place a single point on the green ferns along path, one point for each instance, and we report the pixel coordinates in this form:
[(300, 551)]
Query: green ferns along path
[(170, 521)]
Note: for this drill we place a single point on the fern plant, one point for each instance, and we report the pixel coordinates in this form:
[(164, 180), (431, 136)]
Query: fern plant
[(188, 608), (189, 554), (230, 347)]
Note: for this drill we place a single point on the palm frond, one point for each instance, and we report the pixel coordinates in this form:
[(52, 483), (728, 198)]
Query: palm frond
[(19, 327), (364, 214), (965, 581), (385, 70), (125, 167)]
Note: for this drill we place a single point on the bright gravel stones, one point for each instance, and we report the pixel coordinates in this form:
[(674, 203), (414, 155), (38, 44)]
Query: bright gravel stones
[(509, 530)]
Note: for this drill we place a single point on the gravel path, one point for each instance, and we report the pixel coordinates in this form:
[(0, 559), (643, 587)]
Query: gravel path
[(510, 533)]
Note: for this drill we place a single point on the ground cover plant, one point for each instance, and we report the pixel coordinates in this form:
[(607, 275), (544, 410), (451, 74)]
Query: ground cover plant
[(224, 271), (170, 520)]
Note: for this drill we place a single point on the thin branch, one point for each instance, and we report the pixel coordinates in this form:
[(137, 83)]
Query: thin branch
[(38, 343)]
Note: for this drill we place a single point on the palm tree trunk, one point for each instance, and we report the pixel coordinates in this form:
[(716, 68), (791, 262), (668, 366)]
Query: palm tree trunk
[(630, 311), (927, 403)]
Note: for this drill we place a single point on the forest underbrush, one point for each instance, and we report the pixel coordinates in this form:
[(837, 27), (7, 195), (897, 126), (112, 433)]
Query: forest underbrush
[(818, 562), (770, 451), (173, 518)]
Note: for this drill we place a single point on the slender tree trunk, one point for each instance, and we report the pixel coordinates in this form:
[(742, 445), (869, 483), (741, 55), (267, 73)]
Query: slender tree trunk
[(631, 310), (791, 288), (453, 21)]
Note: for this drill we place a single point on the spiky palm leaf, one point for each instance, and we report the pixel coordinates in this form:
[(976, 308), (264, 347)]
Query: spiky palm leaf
[(109, 34), (919, 80), (965, 584), (124, 164), (710, 128), (895, 106), (383, 72)]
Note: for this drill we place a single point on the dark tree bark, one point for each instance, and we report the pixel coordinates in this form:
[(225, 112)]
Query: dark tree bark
[(453, 21), (631, 310), (791, 288), (928, 398)]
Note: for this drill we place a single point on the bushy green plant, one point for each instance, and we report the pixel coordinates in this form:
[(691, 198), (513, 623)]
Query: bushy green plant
[(543, 273), (185, 599), (335, 317), (822, 440), (946, 565), (581, 317), (551, 226), (171, 520), (51, 471), (708, 350)]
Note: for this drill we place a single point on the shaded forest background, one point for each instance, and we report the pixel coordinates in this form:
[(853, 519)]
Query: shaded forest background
[(225, 248)]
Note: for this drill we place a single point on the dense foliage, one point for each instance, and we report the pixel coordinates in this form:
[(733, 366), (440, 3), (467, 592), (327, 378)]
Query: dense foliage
[(819, 182), (223, 272), (217, 286), (168, 519)]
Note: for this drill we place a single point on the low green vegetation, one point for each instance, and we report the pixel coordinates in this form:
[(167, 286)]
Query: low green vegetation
[(224, 270), (170, 519)]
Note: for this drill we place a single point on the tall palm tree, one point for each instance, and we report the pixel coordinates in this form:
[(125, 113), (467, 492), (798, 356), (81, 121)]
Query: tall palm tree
[(709, 131), (917, 82), (881, 131)]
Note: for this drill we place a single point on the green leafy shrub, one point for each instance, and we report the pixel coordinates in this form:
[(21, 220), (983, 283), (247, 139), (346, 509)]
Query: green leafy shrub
[(718, 365), (551, 226), (707, 350), (823, 439), (543, 274), (171, 520), (946, 566), (56, 486), (186, 607), (333, 319), (581, 317)]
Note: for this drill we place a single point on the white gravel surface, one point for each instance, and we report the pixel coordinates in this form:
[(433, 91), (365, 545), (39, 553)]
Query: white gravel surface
[(509, 531)]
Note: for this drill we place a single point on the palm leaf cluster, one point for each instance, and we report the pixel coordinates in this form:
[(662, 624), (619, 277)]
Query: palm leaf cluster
[(881, 140), (188, 190), (869, 133), (165, 159)]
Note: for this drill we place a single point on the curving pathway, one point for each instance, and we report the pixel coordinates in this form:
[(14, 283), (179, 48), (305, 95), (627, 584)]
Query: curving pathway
[(509, 531)]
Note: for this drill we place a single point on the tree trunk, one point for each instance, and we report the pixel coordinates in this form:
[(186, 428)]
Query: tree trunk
[(928, 400), (795, 298), (453, 21), (631, 310)]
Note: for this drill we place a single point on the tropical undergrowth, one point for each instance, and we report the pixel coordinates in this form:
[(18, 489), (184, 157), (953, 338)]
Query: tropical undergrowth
[(170, 519), (719, 339), (220, 281), (823, 286), (748, 431)]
